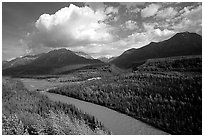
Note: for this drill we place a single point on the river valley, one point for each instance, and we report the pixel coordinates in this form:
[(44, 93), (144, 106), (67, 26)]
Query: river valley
[(117, 123)]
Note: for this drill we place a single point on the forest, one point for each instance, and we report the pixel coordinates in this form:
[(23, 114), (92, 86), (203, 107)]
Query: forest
[(169, 100)]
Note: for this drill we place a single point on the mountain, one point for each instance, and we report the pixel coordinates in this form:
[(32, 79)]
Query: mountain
[(19, 61), (103, 59), (5, 64), (106, 60), (82, 54), (180, 44), (111, 59), (48, 62)]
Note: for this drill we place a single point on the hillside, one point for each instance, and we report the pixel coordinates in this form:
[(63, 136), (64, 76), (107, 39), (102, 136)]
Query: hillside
[(180, 44), (31, 113)]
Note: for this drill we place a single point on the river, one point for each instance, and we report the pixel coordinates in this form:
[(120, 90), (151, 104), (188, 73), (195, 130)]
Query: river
[(117, 123)]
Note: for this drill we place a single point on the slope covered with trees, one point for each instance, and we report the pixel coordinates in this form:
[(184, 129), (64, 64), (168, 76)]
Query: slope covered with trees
[(26, 112)]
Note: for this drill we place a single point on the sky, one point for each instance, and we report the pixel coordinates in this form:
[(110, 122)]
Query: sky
[(98, 29)]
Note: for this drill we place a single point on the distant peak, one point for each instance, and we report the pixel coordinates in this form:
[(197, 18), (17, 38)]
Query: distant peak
[(62, 50)]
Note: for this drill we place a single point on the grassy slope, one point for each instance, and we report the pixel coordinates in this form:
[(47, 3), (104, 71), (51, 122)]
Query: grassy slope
[(169, 99), (27, 112)]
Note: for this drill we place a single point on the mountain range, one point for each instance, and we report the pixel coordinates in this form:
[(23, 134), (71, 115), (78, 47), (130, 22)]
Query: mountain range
[(105, 59), (45, 63), (19, 61), (180, 44)]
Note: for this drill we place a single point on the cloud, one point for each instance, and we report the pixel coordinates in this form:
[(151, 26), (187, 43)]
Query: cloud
[(12, 49), (82, 29), (95, 5), (135, 10), (70, 26), (150, 10), (97, 50), (167, 13), (134, 40), (113, 10), (131, 25), (193, 14), (155, 34), (115, 48), (104, 30), (132, 4), (190, 20)]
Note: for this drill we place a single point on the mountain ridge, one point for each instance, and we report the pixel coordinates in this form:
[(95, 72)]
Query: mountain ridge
[(46, 62), (180, 44)]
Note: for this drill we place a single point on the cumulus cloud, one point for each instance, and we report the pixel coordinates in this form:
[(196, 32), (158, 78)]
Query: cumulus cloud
[(150, 10), (167, 13), (70, 26), (85, 28)]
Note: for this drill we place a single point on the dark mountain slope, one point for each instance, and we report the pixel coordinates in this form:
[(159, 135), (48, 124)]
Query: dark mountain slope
[(49, 61), (20, 61), (61, 57), (180, 44)]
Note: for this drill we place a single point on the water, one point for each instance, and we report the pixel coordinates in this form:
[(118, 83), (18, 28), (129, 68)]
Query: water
[(116, 122)]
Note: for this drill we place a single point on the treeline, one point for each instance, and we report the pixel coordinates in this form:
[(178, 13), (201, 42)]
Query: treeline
[(27, 112), (167, 101)]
